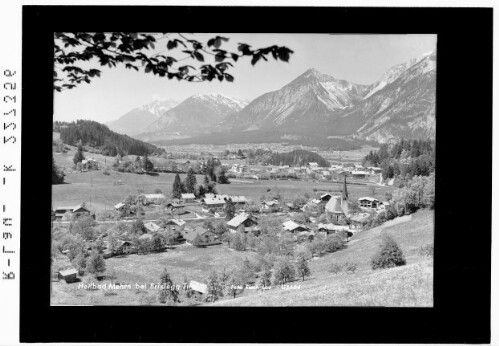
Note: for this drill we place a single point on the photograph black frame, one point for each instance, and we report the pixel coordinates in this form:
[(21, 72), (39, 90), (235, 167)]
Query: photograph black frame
[(462, 277)]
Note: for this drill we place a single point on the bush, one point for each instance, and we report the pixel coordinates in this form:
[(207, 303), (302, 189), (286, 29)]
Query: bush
[(389, 255), (426, 250), (350, 267), (336, 268)]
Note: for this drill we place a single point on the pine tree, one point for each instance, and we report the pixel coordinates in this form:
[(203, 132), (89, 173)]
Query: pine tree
[(168, 292), (79, 157), (190, 181), (147, 164), (222, 178), (302, 268), (230, 209), (177, 187), (57, 177)]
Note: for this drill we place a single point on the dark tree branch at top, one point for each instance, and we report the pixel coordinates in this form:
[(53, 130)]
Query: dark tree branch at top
[(128, 49)]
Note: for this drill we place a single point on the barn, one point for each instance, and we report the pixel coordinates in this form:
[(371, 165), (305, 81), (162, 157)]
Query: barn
[(69, 275)]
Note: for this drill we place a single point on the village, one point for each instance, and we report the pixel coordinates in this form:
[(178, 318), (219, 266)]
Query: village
[(167, 223)]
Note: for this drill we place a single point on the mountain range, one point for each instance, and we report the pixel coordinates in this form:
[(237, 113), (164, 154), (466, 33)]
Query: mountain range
[(400, 104)]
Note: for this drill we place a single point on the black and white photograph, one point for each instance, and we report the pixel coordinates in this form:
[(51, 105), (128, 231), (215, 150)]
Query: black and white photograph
[(243, 169)]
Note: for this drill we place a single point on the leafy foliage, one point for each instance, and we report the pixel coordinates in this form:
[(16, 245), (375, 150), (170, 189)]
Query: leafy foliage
[(389, 255), (96, 263), (168, 292), (297, 157), (57, 175), (130, 50), (302, 268)]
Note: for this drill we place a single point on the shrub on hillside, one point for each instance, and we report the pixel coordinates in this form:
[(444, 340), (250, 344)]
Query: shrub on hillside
[(426, 250), (336, 268), (350, 267), (389, 255)]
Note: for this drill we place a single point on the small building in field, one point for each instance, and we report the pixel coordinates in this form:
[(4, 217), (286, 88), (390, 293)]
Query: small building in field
[(294, 227), (245, 219), (154, 198), (151, 227), (198, 288), (188, 197), (69, 275), (368, 202), (313, 165), (336, 210), (359, 174), (207, 237)]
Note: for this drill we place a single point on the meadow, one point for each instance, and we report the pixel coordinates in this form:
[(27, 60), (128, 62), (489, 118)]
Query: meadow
[(185, 261), (405, 286)]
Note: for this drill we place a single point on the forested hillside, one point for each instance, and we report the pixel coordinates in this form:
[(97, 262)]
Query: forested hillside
[(404, 159), (99, 136), (297, 158)]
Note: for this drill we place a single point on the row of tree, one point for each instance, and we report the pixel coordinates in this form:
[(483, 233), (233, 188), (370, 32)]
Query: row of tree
[(297, 157), (403, 159)]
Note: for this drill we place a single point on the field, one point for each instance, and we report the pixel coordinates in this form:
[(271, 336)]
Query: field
[(191, 262), (409, 285)]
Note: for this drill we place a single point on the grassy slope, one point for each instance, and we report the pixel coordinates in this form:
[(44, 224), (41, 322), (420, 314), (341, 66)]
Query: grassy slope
[(410, 285), (194, 263)]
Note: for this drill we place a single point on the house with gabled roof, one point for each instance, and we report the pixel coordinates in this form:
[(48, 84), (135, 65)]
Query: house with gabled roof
[(69, 275), (79, 210), (151, 227), (188, 197), (293, 227), (207, 237), (245, 219), (368, 202)]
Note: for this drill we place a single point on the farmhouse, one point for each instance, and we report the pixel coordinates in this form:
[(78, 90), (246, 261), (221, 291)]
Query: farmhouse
[(239, 201), (207, 237), (293, 227), (368, 202), (244, 219), (359, 174), (151, 227), (154, 198), (175, 208), (336, 209), (313, 165), (268, 204), (175, 222), (216, 203), (188, 197), (79, 210), (69, 275)]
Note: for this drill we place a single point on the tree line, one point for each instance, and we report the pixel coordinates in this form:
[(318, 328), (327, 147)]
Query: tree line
[(297, 157), (404, 159)]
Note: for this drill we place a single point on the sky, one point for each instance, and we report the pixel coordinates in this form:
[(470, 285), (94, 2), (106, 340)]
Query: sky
[(360, 59)]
